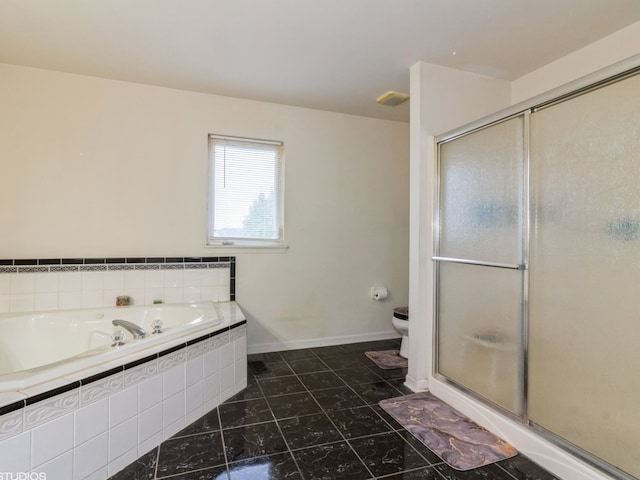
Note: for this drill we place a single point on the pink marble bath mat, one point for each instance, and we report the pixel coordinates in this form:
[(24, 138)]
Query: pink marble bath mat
[(387, 359), (457, 440)]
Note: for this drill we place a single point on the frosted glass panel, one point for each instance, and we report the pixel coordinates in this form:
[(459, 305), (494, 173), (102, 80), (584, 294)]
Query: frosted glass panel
[(584, 354), (481, 194), (479, 332)]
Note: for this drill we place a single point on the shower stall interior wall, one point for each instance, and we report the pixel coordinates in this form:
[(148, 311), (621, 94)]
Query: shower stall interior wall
[(538, 269)]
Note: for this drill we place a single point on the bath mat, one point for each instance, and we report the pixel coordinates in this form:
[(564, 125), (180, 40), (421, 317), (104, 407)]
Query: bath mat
[(387, 359), (457, 440)]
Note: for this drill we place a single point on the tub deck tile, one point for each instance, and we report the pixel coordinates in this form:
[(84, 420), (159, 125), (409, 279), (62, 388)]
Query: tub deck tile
[(101, 389), (139, 373), (9, 401), (12, 424), (50, 409)]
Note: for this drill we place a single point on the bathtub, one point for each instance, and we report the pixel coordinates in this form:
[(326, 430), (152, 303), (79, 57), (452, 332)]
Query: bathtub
[(38, 347), (62, 378)]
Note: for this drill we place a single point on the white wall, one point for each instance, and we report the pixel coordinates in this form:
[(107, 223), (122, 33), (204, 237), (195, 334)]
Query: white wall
[(99, 168), (611, 49)]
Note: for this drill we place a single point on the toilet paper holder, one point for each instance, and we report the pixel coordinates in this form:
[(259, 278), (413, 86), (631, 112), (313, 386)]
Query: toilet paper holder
[(379, 293)]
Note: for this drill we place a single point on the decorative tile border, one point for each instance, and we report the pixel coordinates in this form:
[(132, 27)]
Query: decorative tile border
[(34, 265), (56, 265)]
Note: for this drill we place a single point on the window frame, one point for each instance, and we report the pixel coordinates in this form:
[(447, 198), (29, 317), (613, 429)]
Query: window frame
[(243, 243)]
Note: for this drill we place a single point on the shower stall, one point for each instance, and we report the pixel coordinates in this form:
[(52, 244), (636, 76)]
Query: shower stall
[(537, 255)]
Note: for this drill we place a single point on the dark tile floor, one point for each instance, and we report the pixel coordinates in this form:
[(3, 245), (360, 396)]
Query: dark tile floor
[(311, 414)]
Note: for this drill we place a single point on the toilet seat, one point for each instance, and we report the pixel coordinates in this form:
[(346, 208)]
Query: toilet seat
[(401, 313), (400, 322)]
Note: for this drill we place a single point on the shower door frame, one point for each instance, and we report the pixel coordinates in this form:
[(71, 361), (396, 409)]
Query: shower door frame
[(602, 78), (524, 250)]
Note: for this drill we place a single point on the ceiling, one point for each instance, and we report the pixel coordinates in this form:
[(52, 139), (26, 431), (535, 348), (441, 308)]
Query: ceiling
[(336, 55)]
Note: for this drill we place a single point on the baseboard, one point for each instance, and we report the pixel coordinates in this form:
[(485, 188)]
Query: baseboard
[(321, 342), (416, 385)]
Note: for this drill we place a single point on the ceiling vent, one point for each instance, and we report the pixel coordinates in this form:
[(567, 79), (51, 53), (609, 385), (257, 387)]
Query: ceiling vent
[(391, 98)]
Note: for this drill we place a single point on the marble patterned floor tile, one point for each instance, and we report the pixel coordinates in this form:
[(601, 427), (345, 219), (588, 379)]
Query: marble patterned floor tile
[(337, 398), (310, 430), (253, 441), (252, 391), (488, 472), (293, 405), (186, 454), (362, 347), (355, 375), (390, 373), (144, 468), (265, 357), (335, 461), (372, 393), (215, 473), (342, 362), (321, 380), (209, 422), (420, 447), (299, 354), (387, 453), (270, 369), (244, 412), (281, 385), (388, 418), (428, 473), (329, 351), (524, 469), (399, 384), (307, 365), (359, 422), (271, 467)]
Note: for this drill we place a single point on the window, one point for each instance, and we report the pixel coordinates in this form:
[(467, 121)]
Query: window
[(245, 191)]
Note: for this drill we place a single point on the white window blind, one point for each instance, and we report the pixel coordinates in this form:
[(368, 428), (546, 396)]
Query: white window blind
[(245, 190)]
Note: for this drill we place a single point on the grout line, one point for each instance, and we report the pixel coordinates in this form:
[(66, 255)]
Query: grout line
[(504, 470), (224, 446), (155, 470)]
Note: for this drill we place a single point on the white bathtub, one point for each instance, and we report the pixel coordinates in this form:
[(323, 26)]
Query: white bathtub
[(42, 346), (65, 375)]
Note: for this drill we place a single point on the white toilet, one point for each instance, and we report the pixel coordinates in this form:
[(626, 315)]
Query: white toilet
[(400, 322)]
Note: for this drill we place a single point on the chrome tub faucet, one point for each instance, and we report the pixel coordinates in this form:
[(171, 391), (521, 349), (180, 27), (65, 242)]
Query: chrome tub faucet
[(136, 331)]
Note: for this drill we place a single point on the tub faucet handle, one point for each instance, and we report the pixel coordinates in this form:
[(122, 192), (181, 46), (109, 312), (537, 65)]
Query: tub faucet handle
[(118, 338), (157, 326)]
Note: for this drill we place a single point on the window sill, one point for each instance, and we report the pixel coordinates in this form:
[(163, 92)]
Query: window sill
[(246, 248)]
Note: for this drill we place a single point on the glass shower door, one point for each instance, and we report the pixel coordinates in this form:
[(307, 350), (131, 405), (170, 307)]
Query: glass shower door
[(584, 360), (479, 262)]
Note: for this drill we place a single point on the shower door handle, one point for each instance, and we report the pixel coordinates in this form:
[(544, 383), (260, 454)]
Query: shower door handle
[(511, 266)]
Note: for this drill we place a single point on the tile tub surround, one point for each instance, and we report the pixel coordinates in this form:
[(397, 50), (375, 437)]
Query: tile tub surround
[(310, 414), (93, 427), (28, 285)]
